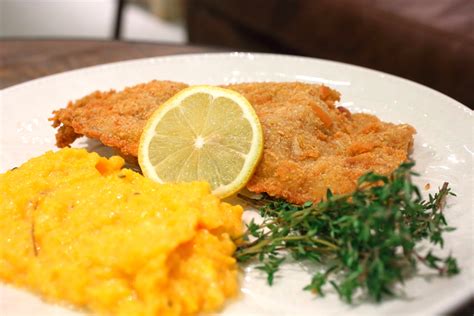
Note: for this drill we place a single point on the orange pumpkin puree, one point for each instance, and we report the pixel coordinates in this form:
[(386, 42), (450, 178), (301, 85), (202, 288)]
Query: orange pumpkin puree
[(79, 230)]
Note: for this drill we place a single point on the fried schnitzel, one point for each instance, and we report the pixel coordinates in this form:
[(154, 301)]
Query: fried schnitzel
[(311, 145)]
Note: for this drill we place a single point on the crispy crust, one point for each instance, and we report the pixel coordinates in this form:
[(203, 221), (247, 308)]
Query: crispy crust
[(115, 118), (310, 145)]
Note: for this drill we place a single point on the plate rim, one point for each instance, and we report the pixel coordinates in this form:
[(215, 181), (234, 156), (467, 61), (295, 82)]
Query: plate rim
[(241, 54), (449, 304)]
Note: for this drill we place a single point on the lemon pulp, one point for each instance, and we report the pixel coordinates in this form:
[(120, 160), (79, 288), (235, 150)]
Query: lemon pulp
[(203, 133)]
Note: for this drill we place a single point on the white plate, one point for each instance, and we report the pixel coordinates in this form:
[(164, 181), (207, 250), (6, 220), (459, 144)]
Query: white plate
[(443, 151)]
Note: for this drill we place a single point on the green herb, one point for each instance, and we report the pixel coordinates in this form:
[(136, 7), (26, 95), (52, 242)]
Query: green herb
[(366, 240)]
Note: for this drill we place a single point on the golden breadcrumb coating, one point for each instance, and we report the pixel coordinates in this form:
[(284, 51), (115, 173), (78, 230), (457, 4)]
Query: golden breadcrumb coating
[(311, 145)]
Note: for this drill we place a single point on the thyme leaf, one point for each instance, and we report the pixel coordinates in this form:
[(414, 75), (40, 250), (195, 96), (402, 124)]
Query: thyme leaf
[(366, 239)]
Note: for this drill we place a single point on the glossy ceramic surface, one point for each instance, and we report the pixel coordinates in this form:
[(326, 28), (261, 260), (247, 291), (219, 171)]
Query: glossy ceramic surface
[(443, 150)]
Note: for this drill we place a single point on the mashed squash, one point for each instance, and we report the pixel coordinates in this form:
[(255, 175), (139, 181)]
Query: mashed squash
[(79, 230)]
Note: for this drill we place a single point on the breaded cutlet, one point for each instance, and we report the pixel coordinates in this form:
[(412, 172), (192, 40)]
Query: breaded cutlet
[(310, 144)]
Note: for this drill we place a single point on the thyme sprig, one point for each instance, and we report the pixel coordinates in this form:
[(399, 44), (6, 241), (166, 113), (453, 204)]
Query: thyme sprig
[(366, 240)]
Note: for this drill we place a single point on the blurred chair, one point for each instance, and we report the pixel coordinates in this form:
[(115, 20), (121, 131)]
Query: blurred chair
[(85, 19), (57, 19), (431, 42)]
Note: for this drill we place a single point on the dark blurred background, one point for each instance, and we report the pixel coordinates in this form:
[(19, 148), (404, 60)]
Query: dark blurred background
[(427, 41)]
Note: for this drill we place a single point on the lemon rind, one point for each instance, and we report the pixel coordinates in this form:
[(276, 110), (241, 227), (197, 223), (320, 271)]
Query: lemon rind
[(256, 148)]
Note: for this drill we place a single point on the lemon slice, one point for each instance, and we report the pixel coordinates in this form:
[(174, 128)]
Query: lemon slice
[(203, 133)]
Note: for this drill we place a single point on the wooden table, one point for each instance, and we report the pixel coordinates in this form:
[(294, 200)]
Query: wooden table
[(26, 60), (29, 59)]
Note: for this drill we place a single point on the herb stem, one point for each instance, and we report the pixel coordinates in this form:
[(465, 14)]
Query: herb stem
[(368, 237)]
